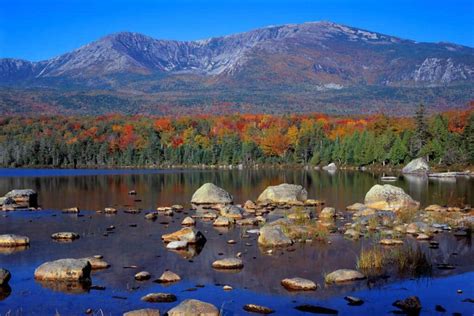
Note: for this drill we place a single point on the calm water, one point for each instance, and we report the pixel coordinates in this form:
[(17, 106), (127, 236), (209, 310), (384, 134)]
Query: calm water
[(258, 282)]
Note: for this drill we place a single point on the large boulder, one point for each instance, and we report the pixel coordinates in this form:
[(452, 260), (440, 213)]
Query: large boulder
[(24, 197), (194, 307), (283, 194), (389, 198), (416, 166), (64, 270), (210, 193), (273, 236)]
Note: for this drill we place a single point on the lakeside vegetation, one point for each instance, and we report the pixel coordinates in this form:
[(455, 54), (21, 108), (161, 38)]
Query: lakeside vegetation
[(446, 139)]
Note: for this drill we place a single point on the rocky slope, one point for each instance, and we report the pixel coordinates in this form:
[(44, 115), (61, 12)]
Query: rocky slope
[(306, 64)]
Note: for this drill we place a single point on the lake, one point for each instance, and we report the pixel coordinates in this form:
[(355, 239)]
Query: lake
[(137, 242)]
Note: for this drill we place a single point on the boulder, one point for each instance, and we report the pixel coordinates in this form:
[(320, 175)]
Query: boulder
[(188, 221), (273, 236), (417, 166), (327, 213), (188, 234), (5, 276), (143, 312), (168, 277), (298, 284), (223, 221), (64, 270), (194, 307), (343, 275), (410, 305), (209, 193), (331, 167), (65, 236), (389, 198), (232, 211), (283, 194), (142, 276), (159, 298), (228, 263), (11, 240), (24, 197)]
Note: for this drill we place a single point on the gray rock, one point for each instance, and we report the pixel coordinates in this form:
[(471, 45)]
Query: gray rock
[(417, 166), (283, 194), (188, 221), (142, 276), (209, 193), (273, 236), (223, 221), (194, 307), (232, 211), (343, 275), (327, 213), (177, 244), (258, 309), (168, 277), (389, 198)]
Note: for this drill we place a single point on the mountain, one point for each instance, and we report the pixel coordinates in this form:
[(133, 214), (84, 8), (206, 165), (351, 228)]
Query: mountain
[(317, 66)]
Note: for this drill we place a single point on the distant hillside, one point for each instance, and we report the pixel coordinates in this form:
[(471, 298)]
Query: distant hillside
[(320, 66)]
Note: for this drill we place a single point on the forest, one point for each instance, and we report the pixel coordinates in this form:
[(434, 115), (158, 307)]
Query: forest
[(445, 139)]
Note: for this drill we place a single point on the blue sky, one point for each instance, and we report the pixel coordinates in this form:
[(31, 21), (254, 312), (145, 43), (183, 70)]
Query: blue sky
[(41, 29)]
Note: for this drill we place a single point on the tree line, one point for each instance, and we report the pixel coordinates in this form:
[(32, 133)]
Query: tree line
[(311, 139)]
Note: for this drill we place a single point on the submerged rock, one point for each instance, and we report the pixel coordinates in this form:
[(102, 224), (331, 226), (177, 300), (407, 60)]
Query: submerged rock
[(228, 263), (353, 301), (209, 193), (5, 276), (283, 194), (143, 312), (410, 305), (178, 244), (11, 240), (190, 235), (298, 284), (417, 166), (315, 309), (343, 275), (64, 270), (389, 198), (159, 298), (65, 236), (273, 236), (259, 309), (194, 307)]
